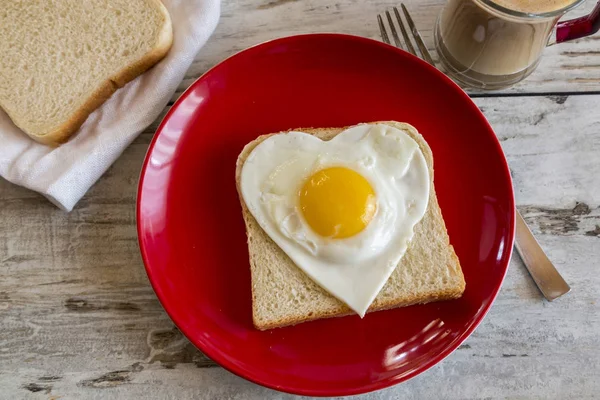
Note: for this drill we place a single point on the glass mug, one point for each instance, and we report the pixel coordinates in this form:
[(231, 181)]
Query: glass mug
[(486, 45)]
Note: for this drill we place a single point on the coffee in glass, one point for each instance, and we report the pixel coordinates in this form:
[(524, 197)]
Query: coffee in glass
[(494, 44)]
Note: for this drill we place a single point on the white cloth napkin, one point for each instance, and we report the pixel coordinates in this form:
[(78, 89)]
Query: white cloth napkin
[(64, 174)]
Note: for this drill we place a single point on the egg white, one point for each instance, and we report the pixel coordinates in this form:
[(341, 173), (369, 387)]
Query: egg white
[(353, 269)]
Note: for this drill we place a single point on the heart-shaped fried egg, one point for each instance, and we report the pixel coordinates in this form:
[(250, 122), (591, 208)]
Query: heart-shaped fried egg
[(343, 210)]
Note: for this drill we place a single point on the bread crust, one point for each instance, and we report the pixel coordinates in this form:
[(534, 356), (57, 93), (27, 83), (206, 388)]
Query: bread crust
[(341, 309), (106, 89)]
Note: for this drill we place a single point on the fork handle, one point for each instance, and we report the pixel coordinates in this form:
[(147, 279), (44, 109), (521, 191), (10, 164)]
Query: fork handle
[(546, 277)]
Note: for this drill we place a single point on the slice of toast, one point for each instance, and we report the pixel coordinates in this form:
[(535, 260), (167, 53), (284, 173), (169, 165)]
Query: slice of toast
[(282, 294), (61, 60)]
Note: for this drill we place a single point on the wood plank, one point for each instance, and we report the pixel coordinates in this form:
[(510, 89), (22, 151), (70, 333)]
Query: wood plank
[(79, 319), (569, 67)]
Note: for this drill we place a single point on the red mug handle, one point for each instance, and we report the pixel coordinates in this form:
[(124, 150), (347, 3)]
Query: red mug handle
[(579, 27)]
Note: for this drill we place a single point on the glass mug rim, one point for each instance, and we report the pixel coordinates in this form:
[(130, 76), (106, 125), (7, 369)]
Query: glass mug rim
[(526, 15)]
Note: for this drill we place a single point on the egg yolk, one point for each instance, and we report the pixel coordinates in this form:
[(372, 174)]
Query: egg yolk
[(337, 202)]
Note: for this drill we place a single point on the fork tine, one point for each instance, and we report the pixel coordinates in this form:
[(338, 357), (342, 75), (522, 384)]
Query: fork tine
[(384, 34), (409, 45), (417, 36), (393, 28)]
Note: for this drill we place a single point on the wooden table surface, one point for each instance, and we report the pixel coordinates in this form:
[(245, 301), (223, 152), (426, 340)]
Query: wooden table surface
[(79, 320)]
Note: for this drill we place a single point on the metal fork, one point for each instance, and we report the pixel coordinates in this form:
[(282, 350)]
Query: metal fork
[(548, 280)]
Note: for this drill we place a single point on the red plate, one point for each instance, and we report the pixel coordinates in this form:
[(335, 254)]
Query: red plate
[(192, 235)]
